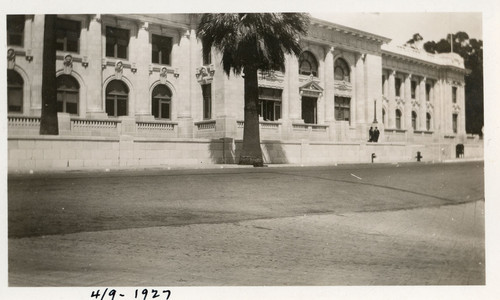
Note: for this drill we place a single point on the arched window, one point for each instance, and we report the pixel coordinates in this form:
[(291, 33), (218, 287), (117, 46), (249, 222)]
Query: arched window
[(428, 122), (15, 84), (398, 119), (308, 64), (161, 102), (414, 120), (341, 70), (67, 94), (116, 98)]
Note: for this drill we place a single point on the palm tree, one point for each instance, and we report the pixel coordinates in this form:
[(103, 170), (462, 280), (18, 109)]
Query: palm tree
[(250, 42), (48, 120)]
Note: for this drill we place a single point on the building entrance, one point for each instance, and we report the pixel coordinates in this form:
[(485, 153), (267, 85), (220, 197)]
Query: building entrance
[(309, 110)]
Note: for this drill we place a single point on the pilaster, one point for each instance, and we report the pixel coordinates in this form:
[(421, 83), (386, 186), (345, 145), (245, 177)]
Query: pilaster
[(406, 122), (423, 105), (142, 58), (94, 52), (294, 99), (392, 100)]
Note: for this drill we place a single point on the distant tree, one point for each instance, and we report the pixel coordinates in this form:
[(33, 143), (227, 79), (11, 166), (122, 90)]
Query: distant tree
[(415, 39), (250, 42), (471, 50), (48, 120)]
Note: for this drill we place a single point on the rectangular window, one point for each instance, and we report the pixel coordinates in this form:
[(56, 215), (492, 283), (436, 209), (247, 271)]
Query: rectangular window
[(309, 110), (455, 123), (67, 35), (164, 109), (398, 120), (397, 86), (117, 42), (270, 104), (161, 49), (413, 89), (207, 101), (15, 30), (454, 94), (383, 85), (15, 99), (342, 108), (427, 92)]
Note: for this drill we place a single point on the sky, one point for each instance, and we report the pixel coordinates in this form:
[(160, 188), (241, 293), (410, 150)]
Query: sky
[(401, 26)]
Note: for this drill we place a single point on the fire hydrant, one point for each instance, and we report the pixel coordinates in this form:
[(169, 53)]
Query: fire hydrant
[(419, 156), (373, 156)]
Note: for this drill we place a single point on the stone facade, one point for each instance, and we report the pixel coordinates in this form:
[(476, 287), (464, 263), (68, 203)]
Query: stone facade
[(139, 83)]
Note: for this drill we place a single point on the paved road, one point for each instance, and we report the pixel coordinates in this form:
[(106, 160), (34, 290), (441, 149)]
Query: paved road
[(408, 224)]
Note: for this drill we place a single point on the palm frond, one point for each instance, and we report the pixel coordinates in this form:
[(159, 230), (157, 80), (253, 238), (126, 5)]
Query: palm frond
[(260, 40)]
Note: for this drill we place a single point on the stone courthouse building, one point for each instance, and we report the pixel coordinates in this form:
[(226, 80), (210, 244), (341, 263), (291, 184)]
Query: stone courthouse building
[(135, 90)]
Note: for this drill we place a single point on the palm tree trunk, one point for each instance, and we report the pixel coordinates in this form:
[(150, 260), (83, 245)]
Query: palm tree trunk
[(251, 153), (48, 121)]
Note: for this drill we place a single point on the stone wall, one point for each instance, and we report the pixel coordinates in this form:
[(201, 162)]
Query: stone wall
[(58, 153)]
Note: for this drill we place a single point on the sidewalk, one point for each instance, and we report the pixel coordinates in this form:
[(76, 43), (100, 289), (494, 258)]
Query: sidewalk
[(232, 166)]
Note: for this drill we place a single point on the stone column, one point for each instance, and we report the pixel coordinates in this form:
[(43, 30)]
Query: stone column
[(359, 90), (322, 99), (329, 87), (406, 122), (184, 116), (94, 54), (391, 113), (461, 101), (421, 114), (447, 108), (34, 40), (141, 62), (294, 98)]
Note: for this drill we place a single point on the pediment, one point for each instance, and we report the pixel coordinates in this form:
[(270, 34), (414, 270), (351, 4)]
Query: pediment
[(311, 86)]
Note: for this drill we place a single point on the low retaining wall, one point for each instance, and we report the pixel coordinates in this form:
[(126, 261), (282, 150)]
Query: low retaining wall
[(52, 153)]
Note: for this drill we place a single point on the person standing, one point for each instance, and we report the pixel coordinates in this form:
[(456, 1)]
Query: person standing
[(370, 133), (376, 134)]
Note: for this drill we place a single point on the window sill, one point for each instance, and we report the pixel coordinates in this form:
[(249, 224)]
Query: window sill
[(394, 130)]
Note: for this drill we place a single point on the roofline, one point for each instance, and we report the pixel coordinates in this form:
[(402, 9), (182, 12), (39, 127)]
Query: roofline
[(346, 29)]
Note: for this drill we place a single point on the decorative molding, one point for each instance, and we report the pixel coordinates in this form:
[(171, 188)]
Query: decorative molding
[(342, 88), (97, 18), (456, 108), (311, 89), (399, 101), (29, 57), (430, 106), (163, 75), (11, 58), (415, 103), (271, 79), (85, 61), (68, 64), (144, 26), (118, 69), (205, 74), (104, 62)]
